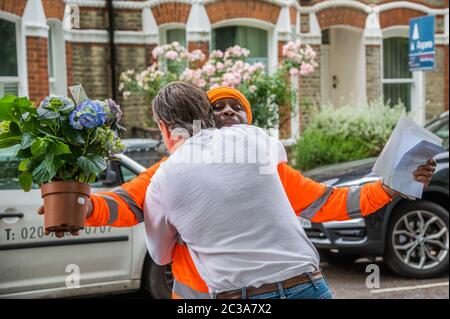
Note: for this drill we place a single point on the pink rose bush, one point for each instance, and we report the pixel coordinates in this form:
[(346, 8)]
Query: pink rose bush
[(299, 59), (172, 62)]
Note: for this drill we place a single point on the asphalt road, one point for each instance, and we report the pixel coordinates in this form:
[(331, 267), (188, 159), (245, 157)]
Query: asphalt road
[(348, 281)]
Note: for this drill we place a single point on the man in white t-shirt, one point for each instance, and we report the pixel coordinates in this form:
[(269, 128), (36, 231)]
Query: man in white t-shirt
[(220, 192)]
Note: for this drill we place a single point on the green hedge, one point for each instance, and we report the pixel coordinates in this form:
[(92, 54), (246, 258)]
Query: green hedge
[(346, 133)]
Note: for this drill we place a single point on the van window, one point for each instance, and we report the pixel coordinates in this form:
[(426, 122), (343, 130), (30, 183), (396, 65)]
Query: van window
[(127, 174), (9, 173)]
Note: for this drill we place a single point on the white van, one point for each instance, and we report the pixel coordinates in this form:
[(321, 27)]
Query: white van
[(101, 260)]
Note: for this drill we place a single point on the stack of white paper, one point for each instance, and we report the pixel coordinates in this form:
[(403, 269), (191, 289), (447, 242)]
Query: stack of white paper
[(409, 146)]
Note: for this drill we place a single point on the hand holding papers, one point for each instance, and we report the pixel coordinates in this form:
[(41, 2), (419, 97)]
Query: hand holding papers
[(409, 146)]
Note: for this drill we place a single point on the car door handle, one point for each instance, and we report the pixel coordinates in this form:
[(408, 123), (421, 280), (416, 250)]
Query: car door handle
[(6, 215)]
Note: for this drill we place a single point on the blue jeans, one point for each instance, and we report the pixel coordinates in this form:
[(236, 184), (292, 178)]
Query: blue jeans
[(315, 289)]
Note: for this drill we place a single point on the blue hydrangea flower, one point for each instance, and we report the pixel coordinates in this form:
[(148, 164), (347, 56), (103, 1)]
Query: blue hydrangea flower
[(113, 111), (46, 102), (62, 103), (88, 114)]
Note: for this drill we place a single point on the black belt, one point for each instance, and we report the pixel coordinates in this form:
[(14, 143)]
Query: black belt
[(272, 287)]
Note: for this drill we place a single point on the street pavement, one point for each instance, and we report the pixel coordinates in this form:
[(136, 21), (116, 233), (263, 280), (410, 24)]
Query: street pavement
[(349, 282)]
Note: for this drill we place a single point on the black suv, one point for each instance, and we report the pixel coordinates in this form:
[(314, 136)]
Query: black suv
[(411, 236)]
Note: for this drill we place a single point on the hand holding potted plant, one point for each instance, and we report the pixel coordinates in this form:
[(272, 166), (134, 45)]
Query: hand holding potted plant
[(64, 146)]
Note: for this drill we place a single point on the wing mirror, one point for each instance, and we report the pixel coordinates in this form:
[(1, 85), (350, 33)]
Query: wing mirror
[(110, 178)]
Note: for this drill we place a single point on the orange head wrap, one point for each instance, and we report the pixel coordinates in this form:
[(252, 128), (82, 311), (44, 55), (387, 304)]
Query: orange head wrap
[(225, 92)]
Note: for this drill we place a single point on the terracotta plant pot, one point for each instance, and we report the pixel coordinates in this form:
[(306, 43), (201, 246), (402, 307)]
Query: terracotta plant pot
[(65, 205)]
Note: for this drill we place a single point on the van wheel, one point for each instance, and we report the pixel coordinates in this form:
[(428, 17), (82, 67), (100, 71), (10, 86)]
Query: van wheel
[(158, 280), (418, 240)]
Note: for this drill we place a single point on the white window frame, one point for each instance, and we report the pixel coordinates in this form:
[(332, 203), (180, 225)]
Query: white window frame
[(22, 78), (58, 83), (163, 28), (272, 50), (417, 80)]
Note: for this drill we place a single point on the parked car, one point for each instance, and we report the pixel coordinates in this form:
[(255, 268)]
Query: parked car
[(108, 259), (411, 236)]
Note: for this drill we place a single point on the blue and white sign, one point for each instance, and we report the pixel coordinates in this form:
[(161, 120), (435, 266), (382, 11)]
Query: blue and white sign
[(421, 43)]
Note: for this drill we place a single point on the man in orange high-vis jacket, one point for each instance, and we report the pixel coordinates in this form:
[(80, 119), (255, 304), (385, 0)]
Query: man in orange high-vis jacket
[(123, 206)]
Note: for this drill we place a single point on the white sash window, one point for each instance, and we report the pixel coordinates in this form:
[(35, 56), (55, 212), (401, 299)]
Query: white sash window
[(172, 32), (9, 74), (397, 79), (178, 35)]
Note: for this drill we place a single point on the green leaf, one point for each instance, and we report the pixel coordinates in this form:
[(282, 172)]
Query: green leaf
[(50, 135), (93, 136), (86, 178), (26, 116), (91, 164), (55, 103), (14, 109), (7, 99), (32, 110), (73, 136), (39, 147), (9, 139), (66, 108), (25, 153), (8, 109), (43, 172), (25, 107), (59, 148), (48, 168), (92, 178), (6, 105), (31, 125), (27, 140), (23, 166), (14, 128), (26, 181), (46, 114), (23, 102)]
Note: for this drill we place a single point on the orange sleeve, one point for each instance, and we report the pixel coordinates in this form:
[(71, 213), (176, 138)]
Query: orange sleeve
[(373, 197), (301, 191), (321, 203), (122, 206)]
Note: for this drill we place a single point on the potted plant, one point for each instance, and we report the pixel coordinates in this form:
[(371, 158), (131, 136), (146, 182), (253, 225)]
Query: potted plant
[(63, 146)]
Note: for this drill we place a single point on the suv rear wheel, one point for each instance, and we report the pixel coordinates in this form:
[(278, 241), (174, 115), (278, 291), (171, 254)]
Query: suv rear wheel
[(418, 240)]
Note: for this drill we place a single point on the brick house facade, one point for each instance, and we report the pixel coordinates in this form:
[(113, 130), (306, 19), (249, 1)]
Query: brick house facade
[(352, 38)]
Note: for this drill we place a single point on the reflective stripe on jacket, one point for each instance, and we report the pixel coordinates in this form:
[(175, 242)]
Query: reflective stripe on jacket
[(122, 207)]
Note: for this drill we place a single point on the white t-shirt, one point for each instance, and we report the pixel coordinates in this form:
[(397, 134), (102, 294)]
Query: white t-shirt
[(221, 192)]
